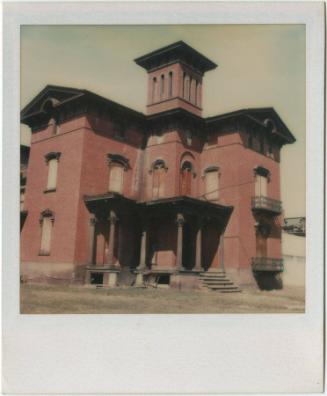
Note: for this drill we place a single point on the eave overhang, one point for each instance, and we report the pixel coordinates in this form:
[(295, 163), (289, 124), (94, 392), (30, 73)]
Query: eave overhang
[(35, 114), (267, 118), (173, 53)]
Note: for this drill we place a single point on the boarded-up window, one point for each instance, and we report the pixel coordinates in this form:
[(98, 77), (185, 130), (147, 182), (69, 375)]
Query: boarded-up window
[(260, 186), (212, 184), (186, 178), (116, 177), (47, 222), (52, 174), (159, 176)]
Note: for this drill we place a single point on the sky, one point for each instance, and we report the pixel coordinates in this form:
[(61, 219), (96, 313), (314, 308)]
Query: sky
[(258, 66)]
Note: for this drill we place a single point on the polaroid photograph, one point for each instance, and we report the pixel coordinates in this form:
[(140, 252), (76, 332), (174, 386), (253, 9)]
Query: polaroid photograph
[(169, 236)]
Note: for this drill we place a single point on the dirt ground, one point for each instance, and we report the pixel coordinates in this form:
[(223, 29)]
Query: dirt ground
[(45, 299)]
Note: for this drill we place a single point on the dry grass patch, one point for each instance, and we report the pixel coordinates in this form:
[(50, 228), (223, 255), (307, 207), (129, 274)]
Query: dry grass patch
[(45, 299)]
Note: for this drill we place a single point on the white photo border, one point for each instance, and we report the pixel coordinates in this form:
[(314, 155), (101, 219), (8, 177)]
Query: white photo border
[(150, 354)]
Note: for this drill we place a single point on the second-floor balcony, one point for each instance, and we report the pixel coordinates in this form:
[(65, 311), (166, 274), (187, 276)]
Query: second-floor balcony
[(260, 264), (266, 204)]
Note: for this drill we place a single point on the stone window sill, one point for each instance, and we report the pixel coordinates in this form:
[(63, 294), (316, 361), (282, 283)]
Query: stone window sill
[(41, 253), (49, 190)]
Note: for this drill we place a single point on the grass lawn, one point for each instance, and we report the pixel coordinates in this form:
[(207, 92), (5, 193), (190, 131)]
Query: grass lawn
[(45, 299)]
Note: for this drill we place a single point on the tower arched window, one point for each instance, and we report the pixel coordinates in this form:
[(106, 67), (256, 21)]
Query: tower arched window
[(191, 90), (154, 89), (162, 86), (170, 84), (186, 87)]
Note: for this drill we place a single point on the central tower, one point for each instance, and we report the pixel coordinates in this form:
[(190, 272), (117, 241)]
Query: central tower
[(175, 78)]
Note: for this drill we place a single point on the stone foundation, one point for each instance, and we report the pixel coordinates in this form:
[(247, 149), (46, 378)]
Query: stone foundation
[(185, 281)]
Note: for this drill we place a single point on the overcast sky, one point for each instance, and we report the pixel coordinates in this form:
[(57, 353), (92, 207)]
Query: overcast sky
[(258, 66)]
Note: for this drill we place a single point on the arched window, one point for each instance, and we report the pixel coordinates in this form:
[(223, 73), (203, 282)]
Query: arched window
[(117, 166), (159, 171), (52, 160), (154, 89), (162, 86), (46, 222), (196, 92), (186, 178), (192, 90), (211, 180), (170, 84), (186, 87)]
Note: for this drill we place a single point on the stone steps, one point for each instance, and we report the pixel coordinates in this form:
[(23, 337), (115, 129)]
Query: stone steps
[(218, 281)]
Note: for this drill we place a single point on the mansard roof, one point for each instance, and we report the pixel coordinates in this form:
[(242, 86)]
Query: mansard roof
[(176, 52)]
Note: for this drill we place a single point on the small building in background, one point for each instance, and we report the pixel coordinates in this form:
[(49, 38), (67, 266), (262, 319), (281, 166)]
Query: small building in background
[(294, 251)]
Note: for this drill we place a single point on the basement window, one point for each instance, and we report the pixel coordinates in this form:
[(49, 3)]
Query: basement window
[(96, 278), (163, 279)]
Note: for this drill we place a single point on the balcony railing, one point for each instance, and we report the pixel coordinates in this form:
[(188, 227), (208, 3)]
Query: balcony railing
[(267, 264), (267, 204)]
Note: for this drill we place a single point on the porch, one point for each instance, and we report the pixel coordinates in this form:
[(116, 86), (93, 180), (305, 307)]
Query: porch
[(171, 240)]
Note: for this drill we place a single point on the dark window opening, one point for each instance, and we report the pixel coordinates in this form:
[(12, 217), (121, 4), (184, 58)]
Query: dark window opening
[(96, 278), (163, 280)]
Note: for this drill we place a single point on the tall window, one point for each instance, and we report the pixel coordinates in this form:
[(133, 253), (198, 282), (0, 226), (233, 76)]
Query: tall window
[(162, 86), (192, 90), (170, 84), (116, 178), (52, 162), (260, 186), (186, 85), (159, 170), (211, 179), (117, 166), (186, 178), (154, 89), (46, 221), (261, 181)]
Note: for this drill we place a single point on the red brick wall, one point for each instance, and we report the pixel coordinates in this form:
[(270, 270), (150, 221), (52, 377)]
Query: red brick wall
[(63, 202)]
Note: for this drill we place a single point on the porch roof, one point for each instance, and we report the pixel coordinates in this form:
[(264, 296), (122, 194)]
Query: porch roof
[(190, 206)]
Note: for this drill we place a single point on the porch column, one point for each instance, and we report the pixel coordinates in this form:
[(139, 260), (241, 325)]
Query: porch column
[(198, 247), (112, 221), (92, 242), (142, 262), (179, 251)]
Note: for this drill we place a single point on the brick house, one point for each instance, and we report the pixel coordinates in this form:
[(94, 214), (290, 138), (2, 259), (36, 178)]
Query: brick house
[(116, 196)]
